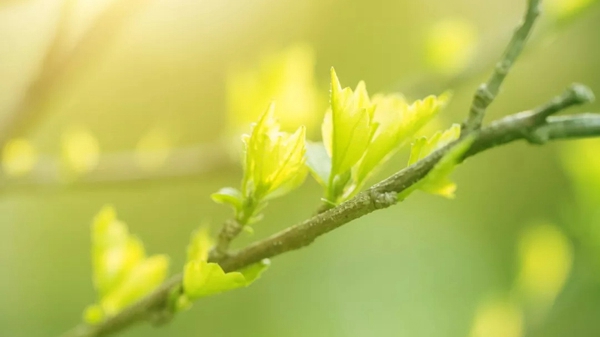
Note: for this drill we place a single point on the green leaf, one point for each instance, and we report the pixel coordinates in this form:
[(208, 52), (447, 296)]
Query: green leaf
[(229, 196), (114, 251), (202, 279), (275, 160), (142, 280), (351, 122), (437, 180), (318, 162), (398, 122), (200, 245), (254, 271)]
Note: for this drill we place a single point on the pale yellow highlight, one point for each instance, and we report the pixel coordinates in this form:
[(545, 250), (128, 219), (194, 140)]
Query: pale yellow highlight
[(153, 149), (450, 46), (19, 157), (80, 150), (498, 318), (545, 256)]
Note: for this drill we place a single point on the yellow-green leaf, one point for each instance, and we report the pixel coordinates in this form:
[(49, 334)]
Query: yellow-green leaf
[(318, 162), (351, 125), (229, 196), (142, 279), (200, 245), (397, 123), (201, 278), (437, 181), (274, 163), (254, 271), (114, 251)]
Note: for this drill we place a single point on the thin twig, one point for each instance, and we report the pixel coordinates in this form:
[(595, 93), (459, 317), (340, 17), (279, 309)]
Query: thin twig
[(488, 91), (522, 126)]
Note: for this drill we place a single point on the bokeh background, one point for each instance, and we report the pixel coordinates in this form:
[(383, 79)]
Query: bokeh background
[(140, 104)]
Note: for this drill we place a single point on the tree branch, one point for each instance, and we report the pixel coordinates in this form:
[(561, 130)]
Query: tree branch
[(521, 126), (536, 126), (488, 91)]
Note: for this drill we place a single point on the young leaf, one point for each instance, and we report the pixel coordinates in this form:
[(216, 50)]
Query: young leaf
[(201, 278), (229, 196), (274, 165), (142, 279), (122, 273), (437, 180), (318, 162), (254, 271), (200, 245), (351, 125), (114, 251), (397, 122)]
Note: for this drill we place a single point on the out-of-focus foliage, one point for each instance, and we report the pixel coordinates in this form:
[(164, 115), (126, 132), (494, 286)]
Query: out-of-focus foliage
[(153, 149), (19, 157), (418, 269), (122, 272), (451, 45), (566, 9), (545, 258), (582, 164), (359, 134), (80, 150), (497, 318), (274, 165), (286, 77)]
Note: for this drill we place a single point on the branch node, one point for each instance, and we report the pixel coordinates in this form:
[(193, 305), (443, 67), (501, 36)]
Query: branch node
[(231, 229), (582, 93), (383, 199)]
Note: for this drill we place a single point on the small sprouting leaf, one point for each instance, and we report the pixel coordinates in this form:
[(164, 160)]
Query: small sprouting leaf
[(201, 278), (229, 196), (200, 245), (114, 251), (253, 272), (142, 279), (437, 181), (274, 165), (318, 162)]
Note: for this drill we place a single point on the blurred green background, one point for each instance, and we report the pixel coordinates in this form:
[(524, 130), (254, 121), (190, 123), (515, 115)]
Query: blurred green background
[(167, 79)]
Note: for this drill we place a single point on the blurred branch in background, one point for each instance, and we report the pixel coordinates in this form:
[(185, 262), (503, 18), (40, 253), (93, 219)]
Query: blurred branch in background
[(122, 167), (287, 74), (58, 64)]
